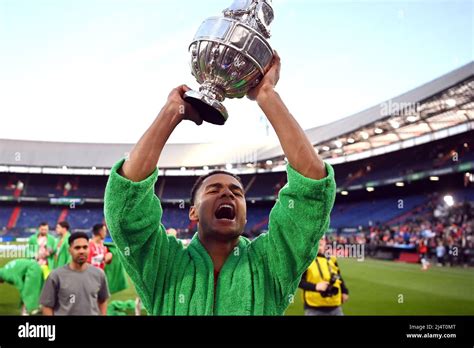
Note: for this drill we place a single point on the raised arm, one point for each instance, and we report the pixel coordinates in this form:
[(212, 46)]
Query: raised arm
[(301, 213), (133, 211), (144, 157), (296, 146)]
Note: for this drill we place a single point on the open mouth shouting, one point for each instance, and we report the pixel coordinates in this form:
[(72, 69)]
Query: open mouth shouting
[(225, 212)]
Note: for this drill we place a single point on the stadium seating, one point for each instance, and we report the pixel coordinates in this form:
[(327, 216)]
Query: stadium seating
[(176, 188), (433, 155), (33, 216), (5, 213), (371, 212), (83, 218), (261, 189), (42, 186), (266, 185)]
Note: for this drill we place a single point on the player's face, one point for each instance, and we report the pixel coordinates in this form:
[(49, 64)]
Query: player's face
[(43, 230), (79, 250), (220, 207), (322, 246), (59, 230), (103, 232)]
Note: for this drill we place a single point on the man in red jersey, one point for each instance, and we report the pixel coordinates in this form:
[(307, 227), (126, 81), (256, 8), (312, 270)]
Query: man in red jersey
[(99, 255)]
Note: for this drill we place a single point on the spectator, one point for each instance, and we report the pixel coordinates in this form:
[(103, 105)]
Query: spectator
[(76, 288), (440, 253)]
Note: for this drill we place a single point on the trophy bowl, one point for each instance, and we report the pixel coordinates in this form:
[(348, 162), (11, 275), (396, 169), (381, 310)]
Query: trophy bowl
[(229, 56)]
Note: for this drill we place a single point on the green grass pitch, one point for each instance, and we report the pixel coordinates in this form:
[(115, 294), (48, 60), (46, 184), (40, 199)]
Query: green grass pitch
[(392, 288), (376, 288)]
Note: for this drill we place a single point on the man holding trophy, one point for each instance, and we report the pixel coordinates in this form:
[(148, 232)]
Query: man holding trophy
[(221, 272)]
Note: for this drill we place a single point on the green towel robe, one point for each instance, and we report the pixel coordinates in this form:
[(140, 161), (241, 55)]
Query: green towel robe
[(50, 243), (259, 277), (116, 308), (26, 275), (63, 256), (116, 278)]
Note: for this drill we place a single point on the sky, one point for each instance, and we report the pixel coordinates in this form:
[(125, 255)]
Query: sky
[(99, 71)]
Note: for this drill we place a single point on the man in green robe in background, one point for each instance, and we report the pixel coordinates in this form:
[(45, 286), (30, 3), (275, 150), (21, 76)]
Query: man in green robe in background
[(117, 281), (42, 246), (115, 272), (62, 256), (27, 276)]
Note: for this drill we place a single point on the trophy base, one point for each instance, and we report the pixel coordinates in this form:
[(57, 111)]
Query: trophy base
[(209, 109)]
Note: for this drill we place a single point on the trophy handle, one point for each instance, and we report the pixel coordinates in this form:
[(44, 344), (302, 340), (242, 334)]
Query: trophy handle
[(208, 108)]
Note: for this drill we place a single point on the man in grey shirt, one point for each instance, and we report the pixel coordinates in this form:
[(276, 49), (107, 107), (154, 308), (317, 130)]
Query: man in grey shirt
[(76, 288)]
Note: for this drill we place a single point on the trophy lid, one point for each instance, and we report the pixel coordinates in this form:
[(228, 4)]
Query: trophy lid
[(258, 14), (240, 5)]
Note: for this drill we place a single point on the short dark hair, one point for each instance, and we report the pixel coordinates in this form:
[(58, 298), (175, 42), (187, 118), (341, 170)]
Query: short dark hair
[(200, 180), (44, 223), (64, 224), (77, 235), (96, 229)]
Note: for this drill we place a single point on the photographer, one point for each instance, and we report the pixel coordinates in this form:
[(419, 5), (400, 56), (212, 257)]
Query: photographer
[(324, 288)]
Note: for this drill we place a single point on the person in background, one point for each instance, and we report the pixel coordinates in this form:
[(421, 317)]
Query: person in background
[(423, 252), (76, 288), (27, 276), (99, 255), (440, 253), (324, 289), (62, 255), (43, 245)]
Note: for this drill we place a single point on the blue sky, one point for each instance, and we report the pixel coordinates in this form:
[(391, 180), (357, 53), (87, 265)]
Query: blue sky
[(100, 70)]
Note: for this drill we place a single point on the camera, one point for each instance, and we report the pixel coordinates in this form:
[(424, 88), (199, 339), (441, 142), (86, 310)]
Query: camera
[(331, 289)]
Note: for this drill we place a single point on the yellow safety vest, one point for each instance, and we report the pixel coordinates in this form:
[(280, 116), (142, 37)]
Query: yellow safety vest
[(313, 275)]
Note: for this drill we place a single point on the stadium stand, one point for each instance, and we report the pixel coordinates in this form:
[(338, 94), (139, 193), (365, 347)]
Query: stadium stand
[(263, 187)]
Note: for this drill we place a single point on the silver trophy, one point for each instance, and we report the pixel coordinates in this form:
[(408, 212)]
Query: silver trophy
[(229, 56)]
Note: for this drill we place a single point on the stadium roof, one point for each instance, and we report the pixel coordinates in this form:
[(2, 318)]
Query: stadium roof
[(440, 105), (437, 105)]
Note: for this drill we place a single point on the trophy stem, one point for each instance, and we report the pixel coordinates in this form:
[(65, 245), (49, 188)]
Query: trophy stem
[(212, 91), (208, 107)]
